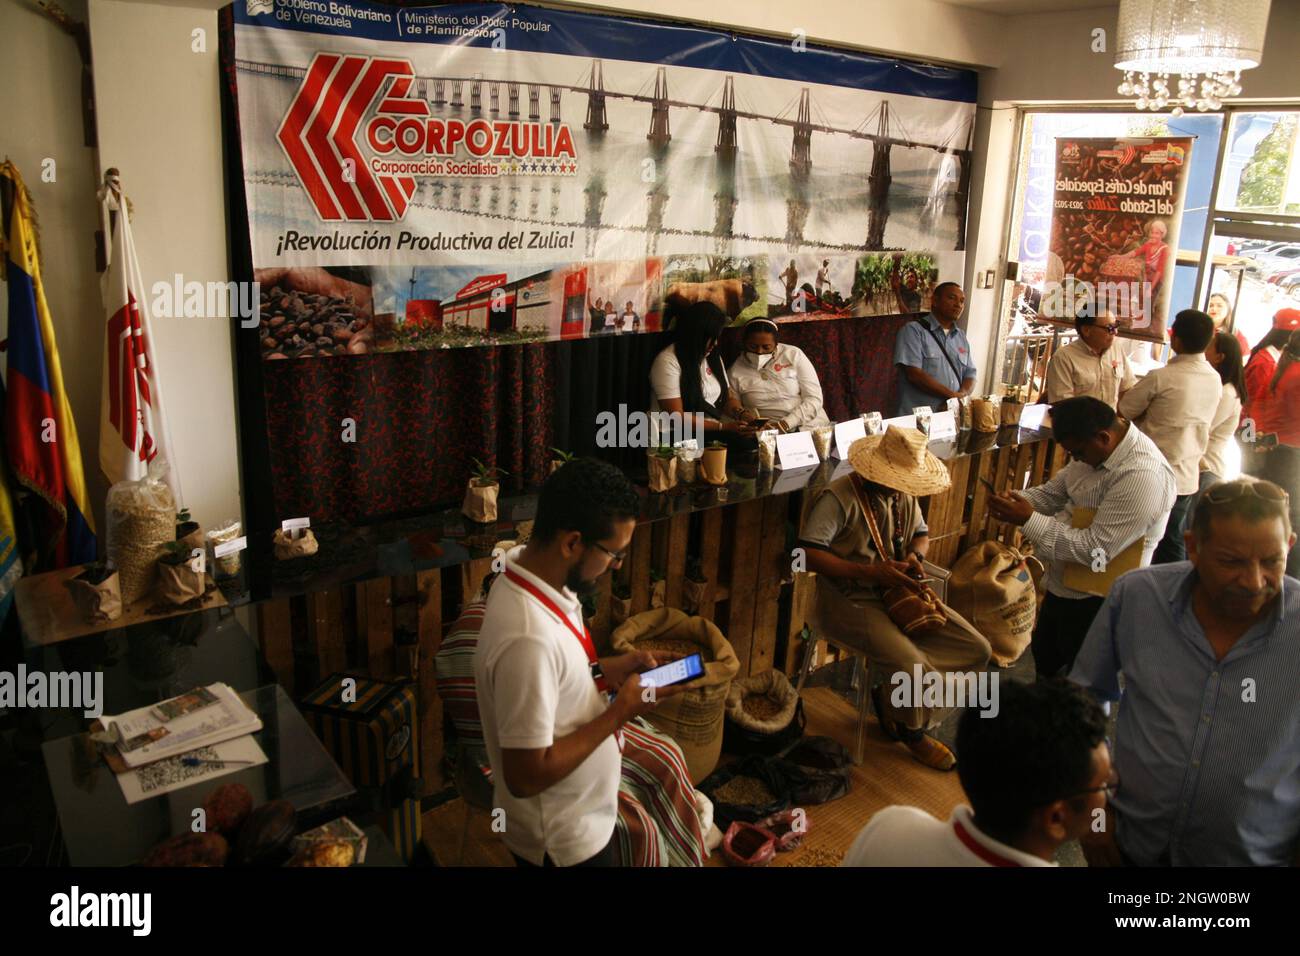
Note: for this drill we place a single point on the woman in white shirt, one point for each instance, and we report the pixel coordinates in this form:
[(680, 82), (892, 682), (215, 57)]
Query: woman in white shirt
[(688, 377), (1224, 353), (777, 381)]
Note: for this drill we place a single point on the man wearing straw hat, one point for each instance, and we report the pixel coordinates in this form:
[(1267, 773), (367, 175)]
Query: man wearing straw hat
[(889, 472)]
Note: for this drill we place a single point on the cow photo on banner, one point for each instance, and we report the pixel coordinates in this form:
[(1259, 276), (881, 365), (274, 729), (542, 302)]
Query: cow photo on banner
[(1116, 210), (484, 174)]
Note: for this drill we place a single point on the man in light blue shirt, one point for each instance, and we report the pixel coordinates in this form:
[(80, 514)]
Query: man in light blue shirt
[(933, 355), (1207, 749)]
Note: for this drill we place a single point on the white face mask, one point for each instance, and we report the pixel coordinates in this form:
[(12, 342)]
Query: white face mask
[(758, 361)]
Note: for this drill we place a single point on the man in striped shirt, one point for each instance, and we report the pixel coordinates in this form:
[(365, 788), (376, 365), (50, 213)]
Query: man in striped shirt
[(1122, 481), (1207, 752)]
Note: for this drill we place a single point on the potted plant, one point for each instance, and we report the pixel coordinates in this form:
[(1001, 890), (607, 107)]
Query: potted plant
[(658, 588), (481, 493), (620, 601), (662, 465), (181, 575), (695, 587), (188, 530), (687, 454), (561, 459), (713, 466), (97, 593)]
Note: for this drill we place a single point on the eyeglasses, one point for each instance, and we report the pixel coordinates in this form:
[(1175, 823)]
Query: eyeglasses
[(1232, 490), (1112, 329), (615, 557), (1109, 788)]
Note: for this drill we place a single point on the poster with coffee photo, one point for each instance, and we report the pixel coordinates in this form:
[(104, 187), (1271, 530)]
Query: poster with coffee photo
[(1116, 208)]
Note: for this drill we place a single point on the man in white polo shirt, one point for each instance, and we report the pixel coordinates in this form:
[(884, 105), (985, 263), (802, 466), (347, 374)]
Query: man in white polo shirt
[(1036, 775), (553, 736)]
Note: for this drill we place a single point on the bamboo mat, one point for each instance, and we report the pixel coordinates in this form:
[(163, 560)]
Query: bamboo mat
[(887, 775)]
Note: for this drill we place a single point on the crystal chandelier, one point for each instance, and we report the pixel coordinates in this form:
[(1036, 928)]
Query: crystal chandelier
[(1202, 45)]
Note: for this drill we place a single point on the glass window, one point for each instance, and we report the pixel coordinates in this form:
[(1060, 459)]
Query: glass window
[(1025, 344), (1260, 171)]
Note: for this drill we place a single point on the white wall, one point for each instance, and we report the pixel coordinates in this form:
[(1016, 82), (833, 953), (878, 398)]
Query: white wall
[(160, 124), (40, 76), (158, 118), (1049, 59)]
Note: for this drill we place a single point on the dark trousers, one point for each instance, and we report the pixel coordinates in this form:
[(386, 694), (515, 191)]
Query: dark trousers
[(1062, 625), (606, 857), (1171, 547)]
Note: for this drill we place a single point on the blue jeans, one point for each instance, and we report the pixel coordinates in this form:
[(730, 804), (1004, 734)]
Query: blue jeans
[(1171, 547)]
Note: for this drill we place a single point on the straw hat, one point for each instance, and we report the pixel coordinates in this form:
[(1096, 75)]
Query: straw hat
[(899, 459)]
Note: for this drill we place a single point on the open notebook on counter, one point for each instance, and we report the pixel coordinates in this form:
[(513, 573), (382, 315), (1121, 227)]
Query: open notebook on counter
[(200, 718)]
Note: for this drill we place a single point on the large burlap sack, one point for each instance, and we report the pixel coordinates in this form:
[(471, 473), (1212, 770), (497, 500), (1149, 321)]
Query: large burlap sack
[(993, 586), (692, 718)]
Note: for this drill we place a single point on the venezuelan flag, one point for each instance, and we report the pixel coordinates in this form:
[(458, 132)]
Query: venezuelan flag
[(11, 565), (40, 435)]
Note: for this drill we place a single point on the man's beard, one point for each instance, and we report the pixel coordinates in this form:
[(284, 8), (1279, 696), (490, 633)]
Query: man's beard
[(575, 582)]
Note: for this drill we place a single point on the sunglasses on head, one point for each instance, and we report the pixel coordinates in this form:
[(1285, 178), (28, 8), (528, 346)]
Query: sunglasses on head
[(1232, 490)]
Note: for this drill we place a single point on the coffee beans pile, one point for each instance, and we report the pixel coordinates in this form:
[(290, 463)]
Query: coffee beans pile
[(302, 325), (744, 792), (1084, 241)]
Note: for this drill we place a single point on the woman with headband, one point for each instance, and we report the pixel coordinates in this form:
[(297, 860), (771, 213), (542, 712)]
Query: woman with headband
[(777, 381)]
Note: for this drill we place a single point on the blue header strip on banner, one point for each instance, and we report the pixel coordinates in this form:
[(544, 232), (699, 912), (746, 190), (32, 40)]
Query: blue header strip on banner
[(536, 30)]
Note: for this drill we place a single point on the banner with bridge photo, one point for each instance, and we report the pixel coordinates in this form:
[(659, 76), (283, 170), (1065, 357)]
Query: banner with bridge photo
[(1116, 210), (481, 174)]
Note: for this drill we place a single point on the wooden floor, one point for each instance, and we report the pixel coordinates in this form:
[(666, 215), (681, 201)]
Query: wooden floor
[(888, 775)]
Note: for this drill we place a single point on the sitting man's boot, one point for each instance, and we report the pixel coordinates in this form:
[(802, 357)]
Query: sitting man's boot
[(927, 750)]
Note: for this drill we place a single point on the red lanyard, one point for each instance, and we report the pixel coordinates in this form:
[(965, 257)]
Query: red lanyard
[(583, 637), (981, 851)]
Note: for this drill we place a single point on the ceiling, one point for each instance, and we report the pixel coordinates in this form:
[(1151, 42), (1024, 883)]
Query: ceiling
[(1011, 7)]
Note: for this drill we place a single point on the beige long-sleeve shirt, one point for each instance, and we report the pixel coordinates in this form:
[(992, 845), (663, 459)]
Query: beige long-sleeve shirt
[(1078, 370), (1222, 429), (1175, 407)]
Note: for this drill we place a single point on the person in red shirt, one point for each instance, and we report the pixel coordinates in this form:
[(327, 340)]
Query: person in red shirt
[(1273, 410)]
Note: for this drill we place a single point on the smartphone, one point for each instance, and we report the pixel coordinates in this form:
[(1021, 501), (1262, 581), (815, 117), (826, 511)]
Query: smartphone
[(676, 672)]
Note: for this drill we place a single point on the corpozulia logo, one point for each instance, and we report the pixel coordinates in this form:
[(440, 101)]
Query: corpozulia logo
[(322, 135), (260, 6)]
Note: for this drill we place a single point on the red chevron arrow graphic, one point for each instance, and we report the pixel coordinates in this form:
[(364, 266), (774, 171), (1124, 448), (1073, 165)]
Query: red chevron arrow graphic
[(318, 134)]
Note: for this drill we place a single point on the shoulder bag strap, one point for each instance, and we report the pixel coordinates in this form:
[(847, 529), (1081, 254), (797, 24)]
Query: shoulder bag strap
[(944, 349), (871, 523)]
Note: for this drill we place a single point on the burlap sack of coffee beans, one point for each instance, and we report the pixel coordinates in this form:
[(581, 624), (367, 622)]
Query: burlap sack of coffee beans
[(96, 603), (985, 416), (480, 502), (303, 325), (662, 472), (287, 548)]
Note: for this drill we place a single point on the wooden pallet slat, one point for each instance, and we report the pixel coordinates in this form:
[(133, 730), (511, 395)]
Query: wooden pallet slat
[(429, 588), (326, 632), (710, 548), (376, 596), (676, 543), (275, 634), (744, 580)]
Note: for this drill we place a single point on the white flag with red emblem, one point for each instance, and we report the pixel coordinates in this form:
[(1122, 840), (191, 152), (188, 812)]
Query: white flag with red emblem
[(132, 427)]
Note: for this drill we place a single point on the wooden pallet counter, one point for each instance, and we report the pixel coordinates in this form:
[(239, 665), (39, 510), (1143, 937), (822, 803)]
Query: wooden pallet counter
[(736, 541)]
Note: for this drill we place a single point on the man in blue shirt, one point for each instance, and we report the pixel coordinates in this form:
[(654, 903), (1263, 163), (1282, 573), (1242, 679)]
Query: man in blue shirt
[(930, 373), (1207, 751)]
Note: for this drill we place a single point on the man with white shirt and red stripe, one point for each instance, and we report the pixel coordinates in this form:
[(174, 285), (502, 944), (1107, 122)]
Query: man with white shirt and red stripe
[(1036, 774), (550, 720)]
